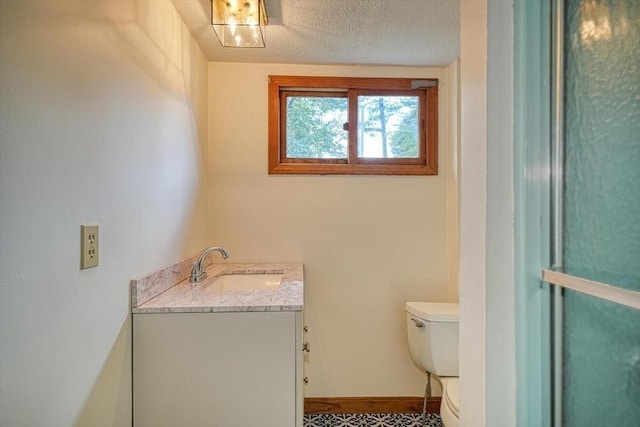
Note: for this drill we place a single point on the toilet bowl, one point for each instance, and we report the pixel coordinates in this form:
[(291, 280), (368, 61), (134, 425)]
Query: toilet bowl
[(432, 333), (449, 408)]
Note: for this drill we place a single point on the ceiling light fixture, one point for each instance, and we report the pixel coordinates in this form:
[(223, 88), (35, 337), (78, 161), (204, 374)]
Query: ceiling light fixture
[(239, 23)]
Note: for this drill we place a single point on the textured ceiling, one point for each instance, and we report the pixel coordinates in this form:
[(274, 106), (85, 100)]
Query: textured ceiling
[(389, 32)]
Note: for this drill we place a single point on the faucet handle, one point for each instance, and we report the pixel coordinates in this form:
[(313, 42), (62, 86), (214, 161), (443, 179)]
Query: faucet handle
[(198, 273)]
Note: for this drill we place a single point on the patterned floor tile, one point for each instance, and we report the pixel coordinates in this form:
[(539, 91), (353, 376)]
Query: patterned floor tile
[(371, 420)]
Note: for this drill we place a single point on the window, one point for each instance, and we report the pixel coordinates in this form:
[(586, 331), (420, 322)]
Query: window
[(365, 126)]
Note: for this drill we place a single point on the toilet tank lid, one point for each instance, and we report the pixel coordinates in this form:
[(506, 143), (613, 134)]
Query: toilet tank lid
[(434, 311)]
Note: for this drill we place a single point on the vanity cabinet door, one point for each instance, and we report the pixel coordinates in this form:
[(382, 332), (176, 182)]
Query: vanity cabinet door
[(216, 369)]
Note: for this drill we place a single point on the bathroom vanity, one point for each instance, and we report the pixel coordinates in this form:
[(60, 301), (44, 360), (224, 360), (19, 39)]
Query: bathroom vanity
[(223, 352)]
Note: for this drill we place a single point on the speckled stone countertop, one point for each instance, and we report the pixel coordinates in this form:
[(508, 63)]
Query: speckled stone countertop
[(153, 294)]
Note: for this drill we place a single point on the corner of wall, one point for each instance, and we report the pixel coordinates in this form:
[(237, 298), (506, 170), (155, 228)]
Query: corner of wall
[(473, 198), (452, 143), (106, 102)]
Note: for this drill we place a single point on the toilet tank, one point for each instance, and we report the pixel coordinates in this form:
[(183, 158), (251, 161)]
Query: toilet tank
[(432, 332)]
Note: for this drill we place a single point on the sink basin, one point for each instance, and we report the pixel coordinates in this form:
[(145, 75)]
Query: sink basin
[(248, 282)]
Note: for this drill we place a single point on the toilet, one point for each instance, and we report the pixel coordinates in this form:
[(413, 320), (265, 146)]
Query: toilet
[(432, 332)]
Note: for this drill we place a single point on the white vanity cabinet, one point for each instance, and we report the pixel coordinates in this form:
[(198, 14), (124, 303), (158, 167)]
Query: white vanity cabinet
[(220, 369)]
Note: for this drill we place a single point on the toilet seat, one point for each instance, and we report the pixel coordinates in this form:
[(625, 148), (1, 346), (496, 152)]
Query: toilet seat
[(450, 406)]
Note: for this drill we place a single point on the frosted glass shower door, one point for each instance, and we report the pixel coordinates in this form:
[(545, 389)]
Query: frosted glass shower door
[(601, 228)]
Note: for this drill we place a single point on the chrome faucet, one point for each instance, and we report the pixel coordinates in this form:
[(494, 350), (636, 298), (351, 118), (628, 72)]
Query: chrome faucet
[(198, 272)]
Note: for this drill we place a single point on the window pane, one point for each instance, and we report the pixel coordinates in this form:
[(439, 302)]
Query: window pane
[(388, 126), (315, 127)]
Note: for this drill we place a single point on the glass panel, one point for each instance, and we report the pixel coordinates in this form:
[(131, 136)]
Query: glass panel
[(388, 126), (602, 141), (239, 26), (315, 127), (601, 363), (601, 370)]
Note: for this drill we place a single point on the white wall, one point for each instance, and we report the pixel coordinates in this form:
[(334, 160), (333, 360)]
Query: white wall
[(368, 243), (473, 175), (487, 299), (103, 118)]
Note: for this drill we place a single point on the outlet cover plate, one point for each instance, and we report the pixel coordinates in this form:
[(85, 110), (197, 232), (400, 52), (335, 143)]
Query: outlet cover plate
[(89, 246)]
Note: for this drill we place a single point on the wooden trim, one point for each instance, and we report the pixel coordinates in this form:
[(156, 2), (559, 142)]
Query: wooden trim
[(346, 82), (374, 405), (432, 129), (425, 164), (274, 124), (353, 127), (350, 169), (283, 134)]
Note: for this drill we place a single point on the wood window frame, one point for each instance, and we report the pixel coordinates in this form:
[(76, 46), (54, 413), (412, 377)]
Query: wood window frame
[(425, 164)]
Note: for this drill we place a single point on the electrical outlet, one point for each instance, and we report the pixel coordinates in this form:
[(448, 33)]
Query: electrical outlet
[(89, 246)]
